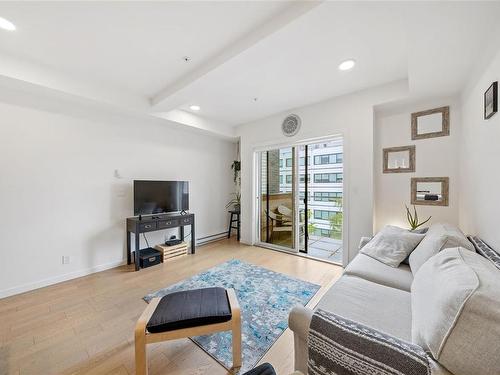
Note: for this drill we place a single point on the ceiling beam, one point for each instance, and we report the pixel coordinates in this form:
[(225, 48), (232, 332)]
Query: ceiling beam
[(15, 72), (189, 119), (292, 12)]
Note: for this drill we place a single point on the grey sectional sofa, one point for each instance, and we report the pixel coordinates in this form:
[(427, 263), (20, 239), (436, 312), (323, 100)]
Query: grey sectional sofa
[(376, 295)]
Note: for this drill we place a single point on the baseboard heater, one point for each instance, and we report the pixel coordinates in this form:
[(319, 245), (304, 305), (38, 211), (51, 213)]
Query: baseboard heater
[(211, 238)]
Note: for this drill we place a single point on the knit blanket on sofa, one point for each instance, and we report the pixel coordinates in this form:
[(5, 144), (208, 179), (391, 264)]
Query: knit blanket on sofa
[(342, 347)]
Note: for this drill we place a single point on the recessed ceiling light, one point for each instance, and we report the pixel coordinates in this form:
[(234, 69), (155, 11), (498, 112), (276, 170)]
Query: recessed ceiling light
[(347, 65), (6, 25), (194, 107)]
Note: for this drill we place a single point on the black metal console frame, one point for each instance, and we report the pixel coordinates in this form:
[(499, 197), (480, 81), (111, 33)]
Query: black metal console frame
[(153, 224)]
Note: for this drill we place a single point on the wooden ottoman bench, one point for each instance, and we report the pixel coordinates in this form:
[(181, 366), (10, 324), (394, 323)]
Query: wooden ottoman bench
[(186, 314)]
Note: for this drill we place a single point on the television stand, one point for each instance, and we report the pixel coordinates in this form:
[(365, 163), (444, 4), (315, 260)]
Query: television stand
[(137, 226)]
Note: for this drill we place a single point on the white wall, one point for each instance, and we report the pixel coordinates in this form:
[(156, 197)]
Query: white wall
[(435, 157), (59, 195), (480, 161), (351, 115)]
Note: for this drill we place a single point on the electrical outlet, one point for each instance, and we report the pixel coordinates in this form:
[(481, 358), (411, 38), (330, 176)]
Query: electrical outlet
[(65, 259)]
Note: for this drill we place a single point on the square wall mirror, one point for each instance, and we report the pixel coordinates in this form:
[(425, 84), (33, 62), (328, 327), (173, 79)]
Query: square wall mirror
[(399, 159), (431, 191), (429, 124)]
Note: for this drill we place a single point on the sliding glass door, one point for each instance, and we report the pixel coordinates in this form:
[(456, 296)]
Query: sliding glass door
[(322, 201), (300, 199), (276, 197)]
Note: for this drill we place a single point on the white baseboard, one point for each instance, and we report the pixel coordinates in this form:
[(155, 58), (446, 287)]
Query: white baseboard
[(58, 279), (73, 275)]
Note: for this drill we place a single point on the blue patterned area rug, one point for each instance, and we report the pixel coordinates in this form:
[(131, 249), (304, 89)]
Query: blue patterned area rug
[(265, 298)]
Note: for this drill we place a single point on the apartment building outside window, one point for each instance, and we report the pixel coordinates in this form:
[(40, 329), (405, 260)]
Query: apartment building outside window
[(324, 215), (327, 196), (328, 159), (324, 178), (302, 160)]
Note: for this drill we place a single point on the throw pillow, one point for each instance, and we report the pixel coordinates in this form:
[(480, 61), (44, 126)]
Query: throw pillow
[(420, 231), (392, 245), (456, 311), (440, 236)]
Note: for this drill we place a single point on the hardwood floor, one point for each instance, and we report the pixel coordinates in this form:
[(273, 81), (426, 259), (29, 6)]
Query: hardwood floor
[(86, 325)]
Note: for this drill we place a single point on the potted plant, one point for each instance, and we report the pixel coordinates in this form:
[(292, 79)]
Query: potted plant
[(235, 201), (413, 219)]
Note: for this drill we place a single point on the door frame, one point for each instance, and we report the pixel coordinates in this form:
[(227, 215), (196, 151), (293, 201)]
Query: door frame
[(257, 213), (256, 170)]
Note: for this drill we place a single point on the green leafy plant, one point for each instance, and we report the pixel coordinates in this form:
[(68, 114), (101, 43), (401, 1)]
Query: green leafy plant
[(337, 220), (235, 201), (236, 167), (413, 219), (311, 227)]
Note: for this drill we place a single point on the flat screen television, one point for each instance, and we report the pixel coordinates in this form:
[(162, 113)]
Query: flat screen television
[(157, 197)]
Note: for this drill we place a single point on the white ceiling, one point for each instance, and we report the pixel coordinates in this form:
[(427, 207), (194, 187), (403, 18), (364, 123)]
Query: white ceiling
[(297, 65), (137, 46), (283, 53)]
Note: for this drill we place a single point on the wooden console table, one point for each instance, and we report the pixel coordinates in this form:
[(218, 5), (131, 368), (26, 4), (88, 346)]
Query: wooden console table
[(153, 224)]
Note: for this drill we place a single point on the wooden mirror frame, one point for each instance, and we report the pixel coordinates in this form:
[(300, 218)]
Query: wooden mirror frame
[(445, 187), (445, 125), (411, 161)]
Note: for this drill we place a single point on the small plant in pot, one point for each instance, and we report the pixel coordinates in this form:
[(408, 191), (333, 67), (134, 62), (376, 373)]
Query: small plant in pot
[(235, 201), (413, 219)]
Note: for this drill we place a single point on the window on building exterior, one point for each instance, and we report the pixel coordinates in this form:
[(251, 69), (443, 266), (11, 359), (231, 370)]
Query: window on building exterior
[(302, 195), (303, 178), (288, 178), (328, 159), (281, 180), (302, 159), (322, 178), (289, 162), (329, 196), (324, 215), (281, 163)]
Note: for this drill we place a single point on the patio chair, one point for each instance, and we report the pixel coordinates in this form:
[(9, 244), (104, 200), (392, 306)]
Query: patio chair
[(286, 212)]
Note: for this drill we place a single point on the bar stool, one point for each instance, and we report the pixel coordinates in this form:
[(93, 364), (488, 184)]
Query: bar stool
[(232, 220)]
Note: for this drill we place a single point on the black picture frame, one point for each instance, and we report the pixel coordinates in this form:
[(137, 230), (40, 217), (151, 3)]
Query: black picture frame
[(491, 100)]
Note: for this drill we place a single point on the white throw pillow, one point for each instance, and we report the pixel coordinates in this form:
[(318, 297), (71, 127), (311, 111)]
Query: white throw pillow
[(392, 245), (455, 301), (440, 236)]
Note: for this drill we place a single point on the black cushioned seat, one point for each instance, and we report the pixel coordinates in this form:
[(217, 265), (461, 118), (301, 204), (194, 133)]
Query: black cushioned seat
[(191, 308), (263, 369)]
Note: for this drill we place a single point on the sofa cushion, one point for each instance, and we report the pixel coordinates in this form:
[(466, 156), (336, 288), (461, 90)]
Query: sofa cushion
[(392, 245), (381, 307), (440, 236), (371, 269), (190, 308), (456, 311)]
